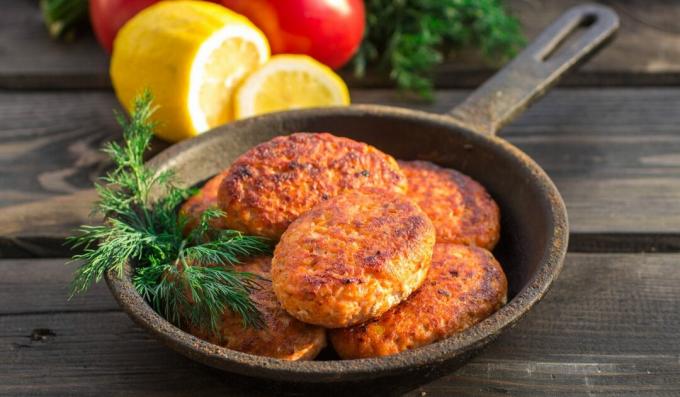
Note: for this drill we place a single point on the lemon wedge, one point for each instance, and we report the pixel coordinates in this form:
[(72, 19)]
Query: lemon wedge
[(289, 82), (192, 55)]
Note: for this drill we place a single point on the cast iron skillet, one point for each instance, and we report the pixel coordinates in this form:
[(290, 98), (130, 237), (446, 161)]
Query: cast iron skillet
[(534, 220)]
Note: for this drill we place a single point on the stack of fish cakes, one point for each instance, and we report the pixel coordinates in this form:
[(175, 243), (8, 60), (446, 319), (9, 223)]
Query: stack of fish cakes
[(385, 256)]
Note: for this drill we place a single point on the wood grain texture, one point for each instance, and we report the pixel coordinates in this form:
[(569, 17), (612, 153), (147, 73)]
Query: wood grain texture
[(49, 159), (50, 143), (608, 327), (646, 52), (30, 59), (614, 155), (41, 287)]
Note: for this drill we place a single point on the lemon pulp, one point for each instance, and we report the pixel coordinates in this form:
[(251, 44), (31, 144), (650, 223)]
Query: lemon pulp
[(289, 82)]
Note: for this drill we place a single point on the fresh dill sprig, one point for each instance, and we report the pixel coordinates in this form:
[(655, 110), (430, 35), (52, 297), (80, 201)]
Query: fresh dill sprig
[(420, 32), (186, 278)]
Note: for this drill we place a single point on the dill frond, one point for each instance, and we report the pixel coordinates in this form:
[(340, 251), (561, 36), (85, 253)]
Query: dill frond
[(184, 278)]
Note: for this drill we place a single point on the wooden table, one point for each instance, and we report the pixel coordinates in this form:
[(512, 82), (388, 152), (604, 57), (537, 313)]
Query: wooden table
[(610, 138)]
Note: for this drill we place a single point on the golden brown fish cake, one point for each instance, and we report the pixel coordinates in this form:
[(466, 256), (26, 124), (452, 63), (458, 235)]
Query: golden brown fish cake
[(206, 198), (352, 258), (460, 208), (465, 284), (272, 184), (282, 336)]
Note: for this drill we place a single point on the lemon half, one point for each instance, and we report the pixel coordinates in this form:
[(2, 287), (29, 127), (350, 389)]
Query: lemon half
[(192, 55), (289, 82)]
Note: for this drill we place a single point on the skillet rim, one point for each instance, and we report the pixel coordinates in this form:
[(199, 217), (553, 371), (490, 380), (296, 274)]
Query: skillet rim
[(435, 354)]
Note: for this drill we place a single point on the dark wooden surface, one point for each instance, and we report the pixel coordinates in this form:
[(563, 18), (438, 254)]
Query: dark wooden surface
[(609, 327), (611, 142), (614, 154), (645, 53)]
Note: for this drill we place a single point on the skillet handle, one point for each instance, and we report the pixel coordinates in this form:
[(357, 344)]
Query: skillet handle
[(539, 66)]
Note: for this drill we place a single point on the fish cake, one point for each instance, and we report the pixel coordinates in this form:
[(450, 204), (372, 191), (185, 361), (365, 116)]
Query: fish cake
[(465, 285), (281, 337), (461, 210), (206, 198), (273, 183), (352, 258)]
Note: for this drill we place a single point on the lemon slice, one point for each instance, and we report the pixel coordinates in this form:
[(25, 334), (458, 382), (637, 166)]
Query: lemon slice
[(220, 64), (192, 55), (289, 82)]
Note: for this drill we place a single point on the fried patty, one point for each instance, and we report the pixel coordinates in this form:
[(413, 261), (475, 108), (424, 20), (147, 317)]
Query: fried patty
[(282, 336), (206, 198), (272, 184), (460, 208), (352, 258), (465, 284)]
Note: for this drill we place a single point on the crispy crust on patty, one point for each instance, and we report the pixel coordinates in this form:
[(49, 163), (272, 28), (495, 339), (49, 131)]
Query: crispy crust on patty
[(460, 208), (352, 258), (206, 198), (273, 183), (464, 285), (281, 337)]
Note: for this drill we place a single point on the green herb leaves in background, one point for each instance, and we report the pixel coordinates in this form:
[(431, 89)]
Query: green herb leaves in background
[(62, 17), (185, 278), (408, 38)]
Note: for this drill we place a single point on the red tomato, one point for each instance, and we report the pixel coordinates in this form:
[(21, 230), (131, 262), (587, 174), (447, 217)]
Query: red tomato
[(107, 16), (328, 30)]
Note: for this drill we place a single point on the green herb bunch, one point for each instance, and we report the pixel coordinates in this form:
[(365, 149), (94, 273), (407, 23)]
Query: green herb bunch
[(184, 277), (409, 37), (62, 17)]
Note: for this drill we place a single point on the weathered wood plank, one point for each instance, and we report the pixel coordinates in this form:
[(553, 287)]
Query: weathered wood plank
[(50, 143), (609, 327), (624, 242), (646, 52), (613, 154), (41, 287), (647, 42), (30, 59), (84, 354)]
